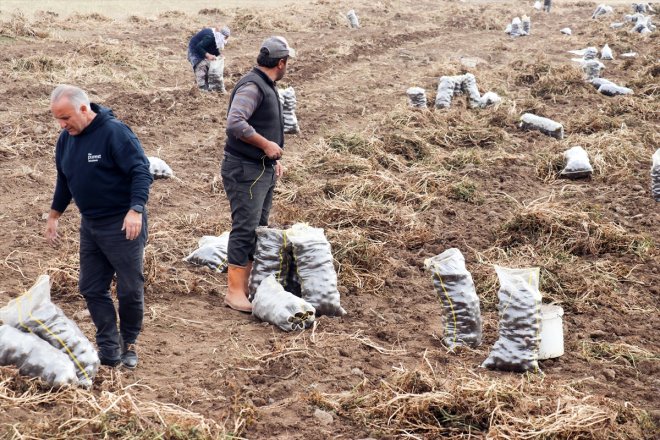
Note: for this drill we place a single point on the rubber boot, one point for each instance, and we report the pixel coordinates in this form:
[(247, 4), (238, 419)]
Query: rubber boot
[(237, 294)]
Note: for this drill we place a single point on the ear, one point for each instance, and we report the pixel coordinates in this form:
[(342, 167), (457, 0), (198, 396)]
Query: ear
[(83, 108)]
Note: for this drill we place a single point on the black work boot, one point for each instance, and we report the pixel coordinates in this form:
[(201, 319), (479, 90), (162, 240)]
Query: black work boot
[(129, 357), (112, 363)]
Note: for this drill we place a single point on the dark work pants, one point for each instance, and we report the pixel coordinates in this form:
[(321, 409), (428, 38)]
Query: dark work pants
[(104, 252), (249, 186)]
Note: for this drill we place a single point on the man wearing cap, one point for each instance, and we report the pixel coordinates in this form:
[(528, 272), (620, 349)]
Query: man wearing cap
[(250, 168), (204, 47)]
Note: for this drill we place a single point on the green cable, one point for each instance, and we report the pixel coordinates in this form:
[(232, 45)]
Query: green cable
[(263, 163)]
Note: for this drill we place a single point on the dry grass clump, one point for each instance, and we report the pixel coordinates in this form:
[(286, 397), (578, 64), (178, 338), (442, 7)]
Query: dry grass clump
[(417, 404), (418, 135), (36, 63), (464, 191), (568, 280), (172, 14), (105, 54), (113, 412), (616, 153), (475, 18), (19, 26), (561, 81), (608, 351), (646, 81), (210, 11), (249, 21), (94, 16), (352, 143), (550, 225), (327, 20)]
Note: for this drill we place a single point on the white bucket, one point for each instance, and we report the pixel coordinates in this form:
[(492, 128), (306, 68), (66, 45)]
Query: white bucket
[(552, 332)]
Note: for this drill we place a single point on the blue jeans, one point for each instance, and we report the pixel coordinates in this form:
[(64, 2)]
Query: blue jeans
[(249, 186), (104, 252)]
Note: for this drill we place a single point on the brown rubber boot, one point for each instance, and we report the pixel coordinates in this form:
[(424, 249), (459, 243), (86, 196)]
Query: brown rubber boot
[(237, 279)]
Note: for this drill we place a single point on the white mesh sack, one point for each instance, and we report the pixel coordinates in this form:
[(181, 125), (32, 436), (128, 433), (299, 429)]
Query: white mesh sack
[(316, 272), (416, 97), (460, 303), (611, 89), (35, 357), (655, 176), (273, 304), (35, 313), (212, 252), (271, 257), (488, 99), (566, 31), (606, 53), (538, 5), (597, 82), (520, 321), (449, 86), (516, 27), (216, 74), (592, 69), (526, 25), (547, 126), (288, 99), (445, 92), (470, 88), (353, 19), (601, 10), (159, 169), (577, 163)]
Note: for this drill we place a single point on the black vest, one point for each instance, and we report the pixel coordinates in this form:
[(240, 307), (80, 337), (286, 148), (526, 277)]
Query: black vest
[(267, 119)]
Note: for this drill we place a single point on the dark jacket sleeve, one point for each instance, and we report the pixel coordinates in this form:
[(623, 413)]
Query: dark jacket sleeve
[(62, 195), (204, 46), (131, 160)]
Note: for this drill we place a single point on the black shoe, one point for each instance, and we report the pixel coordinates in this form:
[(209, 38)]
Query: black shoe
[(109, 362), (129, 357)]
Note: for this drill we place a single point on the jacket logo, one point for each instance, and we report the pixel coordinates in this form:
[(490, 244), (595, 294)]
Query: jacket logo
[(93, 157)]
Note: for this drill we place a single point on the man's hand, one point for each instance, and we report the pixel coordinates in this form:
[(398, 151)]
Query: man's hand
[(210, 57), (273, 151), (132, 224), (51, 230), (279, 169)]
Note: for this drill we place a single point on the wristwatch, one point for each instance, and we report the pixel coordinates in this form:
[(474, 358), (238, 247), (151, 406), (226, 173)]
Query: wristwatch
[(138, 208)]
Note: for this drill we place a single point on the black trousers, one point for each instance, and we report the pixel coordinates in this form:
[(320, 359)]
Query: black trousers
[(249, 186), (104, 252)]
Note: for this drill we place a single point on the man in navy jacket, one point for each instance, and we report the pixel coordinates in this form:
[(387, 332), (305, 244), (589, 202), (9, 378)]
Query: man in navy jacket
[(102, 167), (206, 46)]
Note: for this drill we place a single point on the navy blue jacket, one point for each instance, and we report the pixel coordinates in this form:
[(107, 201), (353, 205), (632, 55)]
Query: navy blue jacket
[(103, 168), (200, 44)]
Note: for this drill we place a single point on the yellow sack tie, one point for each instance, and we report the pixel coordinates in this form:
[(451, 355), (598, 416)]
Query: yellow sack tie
[(451, 306), (45, 327)]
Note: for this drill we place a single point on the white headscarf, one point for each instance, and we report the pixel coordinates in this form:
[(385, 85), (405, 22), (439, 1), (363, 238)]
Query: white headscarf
[(221, 37)]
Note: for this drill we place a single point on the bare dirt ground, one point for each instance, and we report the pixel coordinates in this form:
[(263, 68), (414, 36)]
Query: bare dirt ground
[(391, 187)]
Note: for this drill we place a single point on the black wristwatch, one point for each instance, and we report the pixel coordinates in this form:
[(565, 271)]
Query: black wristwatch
[(138, 208)]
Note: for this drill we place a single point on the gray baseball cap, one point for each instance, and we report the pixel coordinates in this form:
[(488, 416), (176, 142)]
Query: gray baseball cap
[(278, 47)]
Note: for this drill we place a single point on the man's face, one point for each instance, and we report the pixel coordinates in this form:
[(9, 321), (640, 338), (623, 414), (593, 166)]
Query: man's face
[(72, 119), (281, 68)]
